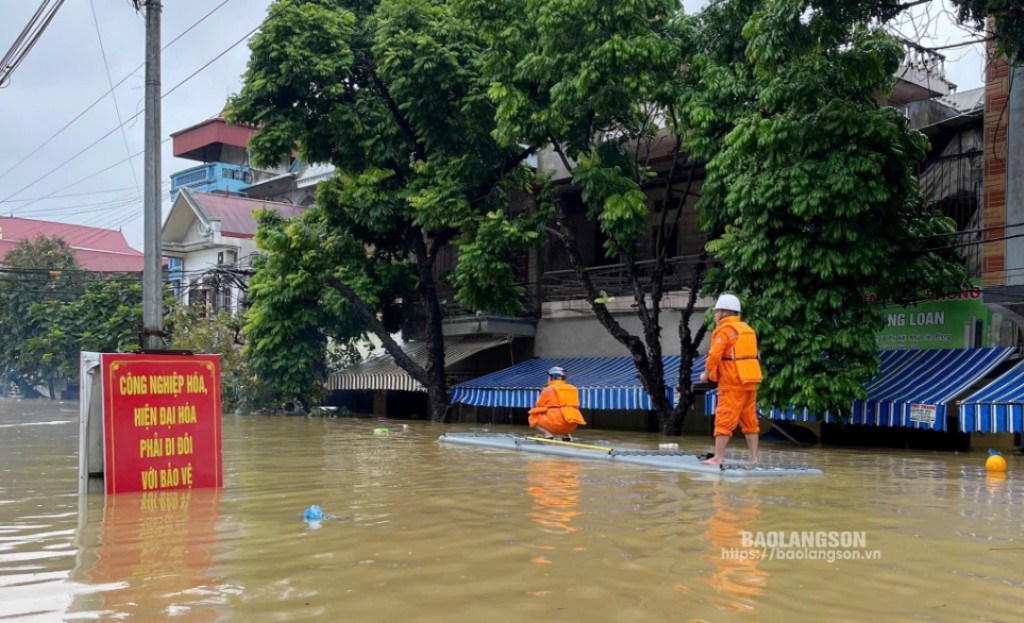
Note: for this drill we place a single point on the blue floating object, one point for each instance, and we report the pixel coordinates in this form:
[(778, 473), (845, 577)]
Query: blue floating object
[(313, 513), (992, 452)]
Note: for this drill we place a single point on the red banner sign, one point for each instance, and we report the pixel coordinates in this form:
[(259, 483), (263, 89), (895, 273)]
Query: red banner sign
[(161, 422)]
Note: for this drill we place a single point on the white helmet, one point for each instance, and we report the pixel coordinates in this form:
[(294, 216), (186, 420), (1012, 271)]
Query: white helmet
[(728, 302)]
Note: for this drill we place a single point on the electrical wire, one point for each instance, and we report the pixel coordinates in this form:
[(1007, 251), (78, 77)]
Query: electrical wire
[(141, 112), (113, 97), (27, 40), (101, 97)]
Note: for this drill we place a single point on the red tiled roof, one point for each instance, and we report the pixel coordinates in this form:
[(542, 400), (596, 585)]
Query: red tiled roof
[(95, 248), (236, 213)]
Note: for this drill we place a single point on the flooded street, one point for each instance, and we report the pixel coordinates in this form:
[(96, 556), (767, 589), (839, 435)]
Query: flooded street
[(434, 533)]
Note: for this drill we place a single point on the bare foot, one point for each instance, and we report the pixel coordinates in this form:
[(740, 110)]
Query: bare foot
[(712, 461)]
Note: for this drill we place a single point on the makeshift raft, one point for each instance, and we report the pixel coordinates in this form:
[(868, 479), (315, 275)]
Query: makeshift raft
[(675, 460)]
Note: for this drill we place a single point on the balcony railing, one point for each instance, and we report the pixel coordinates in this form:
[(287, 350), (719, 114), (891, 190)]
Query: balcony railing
[(923, 59), (564, 285)]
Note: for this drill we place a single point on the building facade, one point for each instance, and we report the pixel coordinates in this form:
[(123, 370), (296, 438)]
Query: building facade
[(207, 240)]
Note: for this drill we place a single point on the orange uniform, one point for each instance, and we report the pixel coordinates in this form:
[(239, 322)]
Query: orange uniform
[(737, 400), (557, 409)]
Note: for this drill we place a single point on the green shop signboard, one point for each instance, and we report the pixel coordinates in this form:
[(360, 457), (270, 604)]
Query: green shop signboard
[(955, 321)]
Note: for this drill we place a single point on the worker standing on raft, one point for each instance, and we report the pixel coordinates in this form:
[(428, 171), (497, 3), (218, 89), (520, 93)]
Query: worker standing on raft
[(557, 411), (733, 364)]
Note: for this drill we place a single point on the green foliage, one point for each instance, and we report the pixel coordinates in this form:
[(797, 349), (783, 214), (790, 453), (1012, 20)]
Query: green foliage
[(389, 92), (484, 278), (293, 315), (35, 271), (598, 79), (106, 318), (810, 191), (425, 109), (609, 183), (216, 334)]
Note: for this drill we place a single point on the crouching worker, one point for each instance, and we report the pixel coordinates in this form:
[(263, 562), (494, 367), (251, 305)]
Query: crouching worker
[(557, 411), (733, 364)]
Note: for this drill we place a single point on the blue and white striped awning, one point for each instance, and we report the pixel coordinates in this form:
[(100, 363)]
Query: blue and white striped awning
[(918, 394), (891, 362), (913, 387), (380, 372), (998, 407), (604, 383)]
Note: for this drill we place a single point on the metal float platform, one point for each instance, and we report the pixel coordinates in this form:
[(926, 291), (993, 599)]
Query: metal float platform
[(674, 460)]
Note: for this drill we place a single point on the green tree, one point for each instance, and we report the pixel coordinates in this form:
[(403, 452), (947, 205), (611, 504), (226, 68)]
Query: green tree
[(389, 92), (217, 334), (598, 83), (33, 272), (105, 318), (294, 316), (810, 189)]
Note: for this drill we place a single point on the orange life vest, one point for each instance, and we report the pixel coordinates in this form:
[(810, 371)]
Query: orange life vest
[(560, 399), (744, 353)]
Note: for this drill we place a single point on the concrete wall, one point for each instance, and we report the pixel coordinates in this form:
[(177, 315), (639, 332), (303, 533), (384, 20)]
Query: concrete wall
[(584, 336)]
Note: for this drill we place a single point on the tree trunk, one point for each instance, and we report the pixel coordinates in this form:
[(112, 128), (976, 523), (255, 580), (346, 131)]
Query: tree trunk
[(426, 288), (49, 385), (650, 370), (689, 343), (432, 379)]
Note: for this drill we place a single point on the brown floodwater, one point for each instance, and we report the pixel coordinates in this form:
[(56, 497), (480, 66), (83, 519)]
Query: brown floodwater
[(432, 533)]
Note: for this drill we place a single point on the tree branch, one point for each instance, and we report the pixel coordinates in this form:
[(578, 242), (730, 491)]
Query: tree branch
[(561, 154), (604, 316), (483, 190), (368, 316), (660, 251), (438, 242), (396, 113)]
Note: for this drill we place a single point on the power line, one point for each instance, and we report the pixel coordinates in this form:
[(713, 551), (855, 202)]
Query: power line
[(975, 243), (101, 97), (138, 114), (79, 181), (114, 206), (92, 192), (962, 232), (113, 97), (278, 12), (27, 40)]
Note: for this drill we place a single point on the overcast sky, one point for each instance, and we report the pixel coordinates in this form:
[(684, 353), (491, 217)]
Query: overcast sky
[(65, 73)]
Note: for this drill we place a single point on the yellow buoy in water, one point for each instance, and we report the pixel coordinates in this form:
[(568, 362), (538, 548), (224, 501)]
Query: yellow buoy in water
[(995, 462)]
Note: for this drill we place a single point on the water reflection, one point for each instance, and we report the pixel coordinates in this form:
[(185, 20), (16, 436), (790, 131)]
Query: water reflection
[(555, 489), (154, 549), (736, 577), (435, 534)]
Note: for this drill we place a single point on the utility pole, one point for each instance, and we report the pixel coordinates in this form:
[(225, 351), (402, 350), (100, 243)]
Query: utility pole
[(152, 284)]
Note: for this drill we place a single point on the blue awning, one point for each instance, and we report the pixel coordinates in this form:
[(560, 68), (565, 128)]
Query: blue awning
[(998, 407), (913, 387), (604, 383), (891, 362), (918, 394)]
